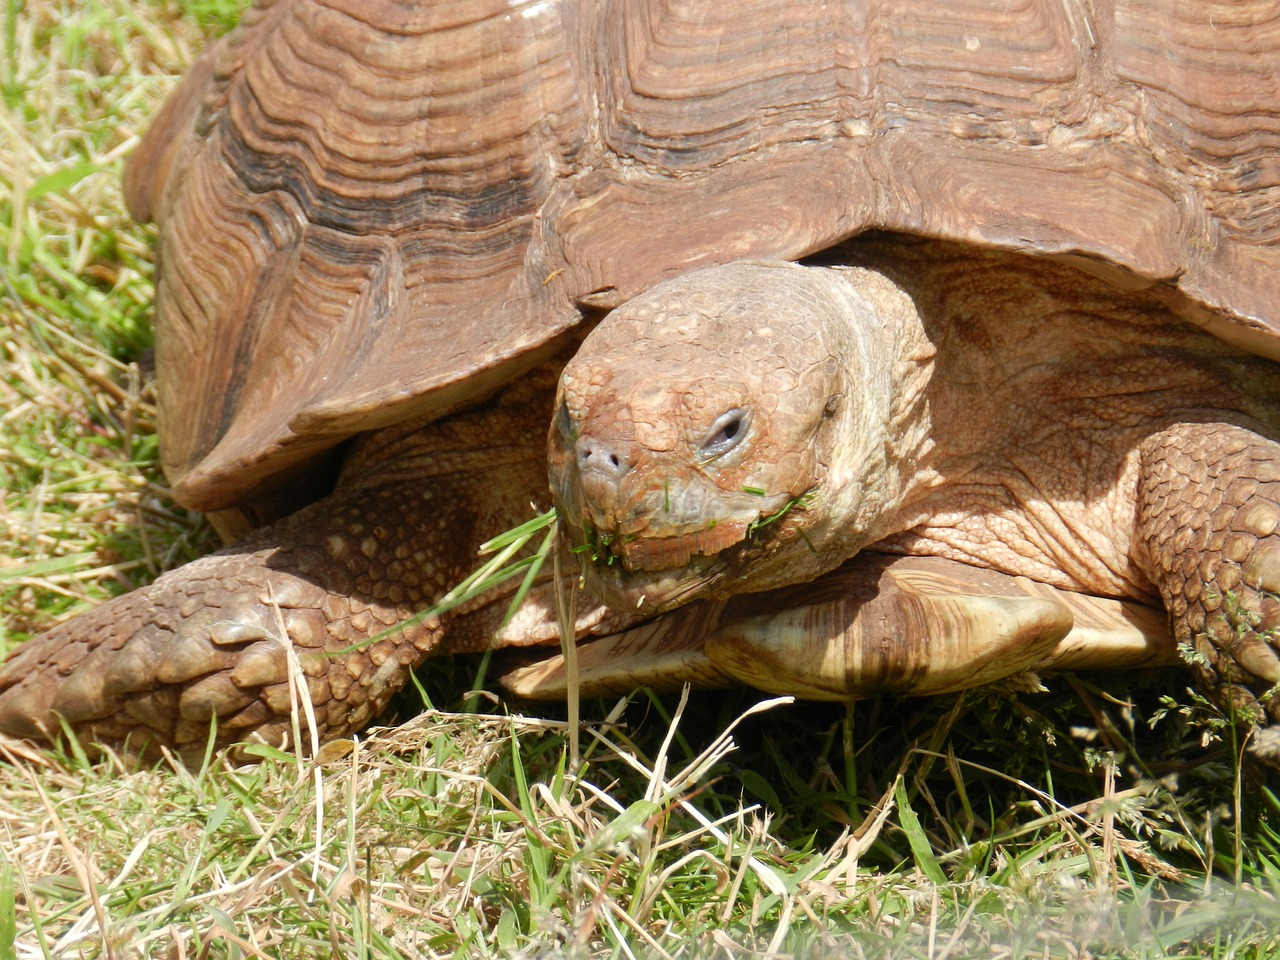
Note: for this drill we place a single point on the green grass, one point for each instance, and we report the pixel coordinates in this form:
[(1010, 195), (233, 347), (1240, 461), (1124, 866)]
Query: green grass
[(85, 513), (1001, 822)]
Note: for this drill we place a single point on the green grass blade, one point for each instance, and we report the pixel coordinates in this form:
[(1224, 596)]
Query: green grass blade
[(921, 850), (8, 910)]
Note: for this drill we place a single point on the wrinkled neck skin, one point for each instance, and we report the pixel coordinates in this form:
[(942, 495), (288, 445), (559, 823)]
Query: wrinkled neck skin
[(738, 429), (880, 457)]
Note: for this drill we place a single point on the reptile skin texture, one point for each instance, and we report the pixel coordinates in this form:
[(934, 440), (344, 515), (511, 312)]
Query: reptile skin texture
[(1208, 509)]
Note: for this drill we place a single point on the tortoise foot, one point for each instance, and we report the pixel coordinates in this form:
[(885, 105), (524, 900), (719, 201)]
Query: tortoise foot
[(663, 654), (161, 663), (1209, 510), (240, 645), (204, 651)]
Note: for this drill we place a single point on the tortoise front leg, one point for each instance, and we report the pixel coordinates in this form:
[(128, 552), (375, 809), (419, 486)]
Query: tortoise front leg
[(1208, 512), (211, 641)]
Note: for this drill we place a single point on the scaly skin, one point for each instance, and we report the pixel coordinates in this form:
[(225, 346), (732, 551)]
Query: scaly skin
[(1208, 509), (205, 642)]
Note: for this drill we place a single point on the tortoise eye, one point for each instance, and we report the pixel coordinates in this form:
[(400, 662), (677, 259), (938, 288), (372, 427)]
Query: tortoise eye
[(726, 433)]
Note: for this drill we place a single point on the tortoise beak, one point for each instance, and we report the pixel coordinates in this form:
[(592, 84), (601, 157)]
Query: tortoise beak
[(650, 592)]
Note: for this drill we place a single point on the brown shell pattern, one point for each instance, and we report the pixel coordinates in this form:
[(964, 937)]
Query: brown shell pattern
[(370, 210)]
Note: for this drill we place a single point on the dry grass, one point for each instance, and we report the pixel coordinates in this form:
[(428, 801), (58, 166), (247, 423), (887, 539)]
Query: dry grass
[(993, 824), (466, 836)]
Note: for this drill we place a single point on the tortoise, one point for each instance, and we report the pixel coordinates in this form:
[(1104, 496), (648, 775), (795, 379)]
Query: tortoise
[(383, 229)]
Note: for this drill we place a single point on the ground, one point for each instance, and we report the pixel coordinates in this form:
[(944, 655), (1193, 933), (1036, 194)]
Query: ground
[(998, 823)]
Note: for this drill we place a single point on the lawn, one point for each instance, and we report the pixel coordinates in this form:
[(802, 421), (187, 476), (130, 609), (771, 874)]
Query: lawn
[(1087, 816)]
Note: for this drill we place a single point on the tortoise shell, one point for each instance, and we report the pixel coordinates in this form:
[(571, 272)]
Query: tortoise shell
[(373, 210)]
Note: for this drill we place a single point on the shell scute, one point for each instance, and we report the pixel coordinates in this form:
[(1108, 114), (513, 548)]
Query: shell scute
[(375, 210)]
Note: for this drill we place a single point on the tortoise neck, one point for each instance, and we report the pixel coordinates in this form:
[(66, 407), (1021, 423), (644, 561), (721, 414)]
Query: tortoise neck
[(881, 448)]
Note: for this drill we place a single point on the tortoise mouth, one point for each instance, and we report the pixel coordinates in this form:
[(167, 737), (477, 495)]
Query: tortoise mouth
[(650, 592), (656, 573), (639, 553)]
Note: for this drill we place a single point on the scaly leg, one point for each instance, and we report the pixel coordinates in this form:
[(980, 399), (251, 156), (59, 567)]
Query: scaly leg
[(1208, 511), (210, 641)]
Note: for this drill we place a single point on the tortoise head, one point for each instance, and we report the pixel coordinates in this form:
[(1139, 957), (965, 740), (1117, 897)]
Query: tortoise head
[(724, 432)]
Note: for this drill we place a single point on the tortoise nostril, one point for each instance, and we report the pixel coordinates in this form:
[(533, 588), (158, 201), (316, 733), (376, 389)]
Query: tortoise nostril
[(593, 455)]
